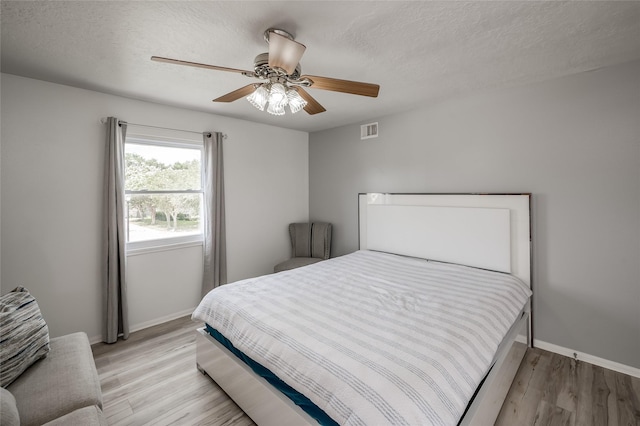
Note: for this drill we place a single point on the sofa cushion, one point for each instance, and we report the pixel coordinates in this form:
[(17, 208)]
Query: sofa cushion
[(25, 336), (8, 410), (87, 416), (64, 381)]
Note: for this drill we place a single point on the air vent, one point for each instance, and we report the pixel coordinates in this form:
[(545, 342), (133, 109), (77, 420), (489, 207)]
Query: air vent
[(368, 131)]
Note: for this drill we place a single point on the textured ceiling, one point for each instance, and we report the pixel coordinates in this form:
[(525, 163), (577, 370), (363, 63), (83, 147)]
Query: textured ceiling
[(419, 52)]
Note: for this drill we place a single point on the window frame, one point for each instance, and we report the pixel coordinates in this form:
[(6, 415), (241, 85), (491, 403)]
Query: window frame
[(168, 243)]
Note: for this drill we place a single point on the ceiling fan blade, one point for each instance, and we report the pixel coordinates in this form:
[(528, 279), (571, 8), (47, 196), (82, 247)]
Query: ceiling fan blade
[(312, 107), (344, 86), (284, 53), (197, 65), (237, 94)]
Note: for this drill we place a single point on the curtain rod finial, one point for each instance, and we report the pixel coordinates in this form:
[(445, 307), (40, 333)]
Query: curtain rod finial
[(103, 120)]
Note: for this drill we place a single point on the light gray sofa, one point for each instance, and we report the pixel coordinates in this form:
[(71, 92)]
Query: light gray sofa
[(61, 389)]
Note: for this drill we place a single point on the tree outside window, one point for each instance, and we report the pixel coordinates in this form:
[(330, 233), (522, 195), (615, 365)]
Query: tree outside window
[(163, 188)]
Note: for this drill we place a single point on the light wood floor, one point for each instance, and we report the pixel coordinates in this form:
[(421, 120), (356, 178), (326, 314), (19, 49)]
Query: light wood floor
[(151, 379), (552, 389)]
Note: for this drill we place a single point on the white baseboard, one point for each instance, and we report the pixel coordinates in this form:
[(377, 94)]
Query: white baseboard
[(161, 320), (150, 323), (591, 359)]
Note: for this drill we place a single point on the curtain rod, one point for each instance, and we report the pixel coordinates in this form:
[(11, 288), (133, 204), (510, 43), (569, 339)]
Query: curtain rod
[(104, 121)]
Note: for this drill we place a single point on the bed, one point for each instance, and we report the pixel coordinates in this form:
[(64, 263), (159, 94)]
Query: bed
[(425, 324)]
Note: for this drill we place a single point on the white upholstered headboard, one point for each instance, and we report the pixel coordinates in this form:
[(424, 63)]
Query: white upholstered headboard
[(489, 231)]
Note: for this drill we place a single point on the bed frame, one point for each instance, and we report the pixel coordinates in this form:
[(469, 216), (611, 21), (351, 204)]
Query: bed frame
[(490, 231)]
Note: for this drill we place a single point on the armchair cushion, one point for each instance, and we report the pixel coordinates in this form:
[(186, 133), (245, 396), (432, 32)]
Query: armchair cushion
[(295, 262), (321, 240), (300, 234), (310, 243)]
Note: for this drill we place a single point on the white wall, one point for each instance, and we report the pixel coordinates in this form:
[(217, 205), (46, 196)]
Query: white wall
[(573, 142), (51, 202)]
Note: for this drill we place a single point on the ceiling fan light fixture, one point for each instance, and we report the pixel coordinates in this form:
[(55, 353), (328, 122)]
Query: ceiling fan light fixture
[(260, 96), (278, 94), (296, 103), (277, 99), (276, 108), (284, 51), (282, 80)]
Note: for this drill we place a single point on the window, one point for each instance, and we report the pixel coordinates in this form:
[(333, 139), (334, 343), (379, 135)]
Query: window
[(163, 191)]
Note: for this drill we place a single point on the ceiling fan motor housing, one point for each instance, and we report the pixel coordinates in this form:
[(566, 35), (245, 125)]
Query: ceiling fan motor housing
[(278, 31), (263, 70)]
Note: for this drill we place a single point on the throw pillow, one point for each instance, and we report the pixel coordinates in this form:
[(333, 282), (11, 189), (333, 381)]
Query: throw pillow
[(25, 335)]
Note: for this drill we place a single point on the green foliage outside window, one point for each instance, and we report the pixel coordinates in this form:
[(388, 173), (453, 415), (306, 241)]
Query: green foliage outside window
[(178, 212)]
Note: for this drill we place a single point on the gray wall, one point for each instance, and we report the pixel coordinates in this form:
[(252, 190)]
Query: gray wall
[(52, 173), (573, 142)]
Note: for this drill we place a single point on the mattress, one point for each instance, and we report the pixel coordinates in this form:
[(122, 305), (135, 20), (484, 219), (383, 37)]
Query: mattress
[(373, 338)]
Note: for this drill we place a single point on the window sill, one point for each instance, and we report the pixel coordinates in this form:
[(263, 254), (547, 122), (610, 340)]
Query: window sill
[(166, 247)]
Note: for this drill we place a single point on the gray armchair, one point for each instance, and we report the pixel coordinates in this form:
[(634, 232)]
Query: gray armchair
[(310, 243)]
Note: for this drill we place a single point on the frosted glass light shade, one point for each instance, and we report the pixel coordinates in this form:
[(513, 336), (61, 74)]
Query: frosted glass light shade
[(277, 99), (259, 97), (278, 94), (296, 103), (275, 108), (284, 53)]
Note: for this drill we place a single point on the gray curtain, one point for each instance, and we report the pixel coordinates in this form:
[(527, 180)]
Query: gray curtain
[(114, 294), (214, 247)]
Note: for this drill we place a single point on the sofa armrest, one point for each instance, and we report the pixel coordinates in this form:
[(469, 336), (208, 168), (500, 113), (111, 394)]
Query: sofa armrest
[(59, 384), (87, 416)]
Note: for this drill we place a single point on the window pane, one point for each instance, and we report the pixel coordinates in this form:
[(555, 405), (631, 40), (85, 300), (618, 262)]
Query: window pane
[(153, 168), (151, 217)]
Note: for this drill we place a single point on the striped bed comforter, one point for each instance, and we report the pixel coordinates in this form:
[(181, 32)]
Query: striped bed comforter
[(373, 338)]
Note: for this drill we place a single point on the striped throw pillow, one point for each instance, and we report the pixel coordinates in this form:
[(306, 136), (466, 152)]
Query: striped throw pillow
[(24, 335)]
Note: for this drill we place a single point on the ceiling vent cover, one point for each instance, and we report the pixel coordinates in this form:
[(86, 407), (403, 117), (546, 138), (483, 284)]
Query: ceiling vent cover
[(368, 131)]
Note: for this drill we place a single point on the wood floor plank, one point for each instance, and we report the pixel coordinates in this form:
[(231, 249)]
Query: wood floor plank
[(204, 410), (584, 402), (143, 383), (155, 364), (549, 414), (147, 409), (600, 393), (119, 411), (110, 382), (526, 390), (151, 379), (540, 366), (555, 378), (627, 403), (635, 384), (568, 386), (612, 406)]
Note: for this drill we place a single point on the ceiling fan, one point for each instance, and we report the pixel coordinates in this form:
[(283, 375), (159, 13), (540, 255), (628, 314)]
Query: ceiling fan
[(283, 83)]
